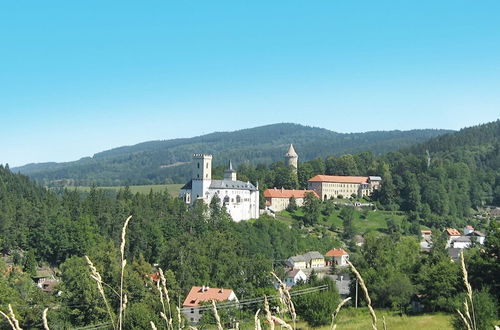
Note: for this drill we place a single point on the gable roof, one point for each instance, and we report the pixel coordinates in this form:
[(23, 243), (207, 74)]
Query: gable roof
[(426, 232), (336, 253), (287, 193), (230, 184), (293, 273), (297, 259), (313, 255), (476, 233), (452, 232), (339, 179), (199, 294)]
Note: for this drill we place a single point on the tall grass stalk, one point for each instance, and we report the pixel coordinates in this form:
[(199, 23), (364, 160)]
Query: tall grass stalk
[(44, 318), (164, 292), (257, 321), (11, 318), (216, 315), (269, 316), (97, 277), (287, 298), (367, 296), (179, 317), (123, 263), (337, 310), (468, 319)]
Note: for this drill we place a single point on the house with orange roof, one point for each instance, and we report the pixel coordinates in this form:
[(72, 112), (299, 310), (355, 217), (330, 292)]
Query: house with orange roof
[(328, 186), (337, 257), (279, 199), (192, 306)]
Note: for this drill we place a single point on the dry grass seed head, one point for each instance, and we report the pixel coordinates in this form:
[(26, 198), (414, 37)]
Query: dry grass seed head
[(12, 325), (367, 296), (337, 310), (216, 314), (257, 321), (44, 318), (269, 317)]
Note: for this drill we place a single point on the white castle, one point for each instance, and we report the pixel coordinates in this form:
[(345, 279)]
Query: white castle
[(241, 199)]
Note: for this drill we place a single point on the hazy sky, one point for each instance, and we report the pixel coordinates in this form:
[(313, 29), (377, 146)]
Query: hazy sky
[(79, 77)]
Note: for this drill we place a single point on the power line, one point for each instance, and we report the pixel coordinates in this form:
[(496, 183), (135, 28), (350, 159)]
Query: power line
[(256, 300)]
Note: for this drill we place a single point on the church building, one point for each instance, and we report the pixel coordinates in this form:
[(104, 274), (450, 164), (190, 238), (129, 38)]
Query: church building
[(241, 199)]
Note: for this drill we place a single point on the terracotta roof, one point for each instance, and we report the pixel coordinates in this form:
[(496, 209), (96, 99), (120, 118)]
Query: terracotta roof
[(453, 232), (335, 253), (198, 295), (286, 193), (339, 179), (426, 232)]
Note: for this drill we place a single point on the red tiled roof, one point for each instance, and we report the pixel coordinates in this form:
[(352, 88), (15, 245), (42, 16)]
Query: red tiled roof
[(426, 232), (453, 232), (198, 295), (286, 193), (336, 253), (339, 179)]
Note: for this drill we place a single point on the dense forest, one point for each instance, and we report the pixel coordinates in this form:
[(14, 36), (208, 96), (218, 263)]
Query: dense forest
[(431, 185), (159, 162)]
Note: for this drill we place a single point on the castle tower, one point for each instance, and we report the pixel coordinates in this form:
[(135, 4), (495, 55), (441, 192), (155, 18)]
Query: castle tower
[(230, 173), (291, 158), (202, 175)]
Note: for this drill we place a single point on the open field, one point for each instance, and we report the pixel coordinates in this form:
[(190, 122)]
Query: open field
[(364, 221), (173, 189), (351, 319)]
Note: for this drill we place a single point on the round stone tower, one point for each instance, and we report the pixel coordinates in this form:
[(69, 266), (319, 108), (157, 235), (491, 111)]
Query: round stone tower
[(291, 158)]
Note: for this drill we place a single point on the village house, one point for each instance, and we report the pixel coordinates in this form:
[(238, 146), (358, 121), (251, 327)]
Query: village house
[(192, 308), (312, 259), (476, 235), (452, 234), (241, 199), (338, 257), (328, 186), (295, 276), (279, 199)]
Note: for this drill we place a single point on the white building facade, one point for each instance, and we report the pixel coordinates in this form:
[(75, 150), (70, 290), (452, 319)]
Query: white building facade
[(241, 199)]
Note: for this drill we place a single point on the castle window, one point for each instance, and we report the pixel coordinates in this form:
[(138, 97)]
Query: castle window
[(238, 199), (207, 165)]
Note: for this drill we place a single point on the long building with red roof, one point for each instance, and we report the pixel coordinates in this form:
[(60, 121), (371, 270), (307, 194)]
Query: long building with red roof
[(279, 199), (328, 186)]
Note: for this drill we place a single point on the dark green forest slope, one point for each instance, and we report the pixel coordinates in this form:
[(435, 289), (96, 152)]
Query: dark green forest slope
[(158, 162)]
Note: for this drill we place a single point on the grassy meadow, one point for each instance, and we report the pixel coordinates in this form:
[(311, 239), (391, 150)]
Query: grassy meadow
[(173, 189), (364, 220), (352, 319)]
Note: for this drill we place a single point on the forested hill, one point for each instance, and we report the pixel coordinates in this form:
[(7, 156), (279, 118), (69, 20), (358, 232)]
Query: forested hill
[(166, 161)]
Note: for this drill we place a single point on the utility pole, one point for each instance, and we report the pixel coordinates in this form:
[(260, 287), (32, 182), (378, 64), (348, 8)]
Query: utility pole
[(356, 302)]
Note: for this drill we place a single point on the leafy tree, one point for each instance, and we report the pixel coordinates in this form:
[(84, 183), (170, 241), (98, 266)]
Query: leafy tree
[(292, 204), (311, 209), (316, 308), (347, 215)]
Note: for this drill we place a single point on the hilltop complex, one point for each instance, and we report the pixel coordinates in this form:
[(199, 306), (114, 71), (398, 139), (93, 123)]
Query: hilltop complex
[(241, 199)]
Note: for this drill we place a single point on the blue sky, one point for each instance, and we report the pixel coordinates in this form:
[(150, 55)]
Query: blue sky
[(79, 77)]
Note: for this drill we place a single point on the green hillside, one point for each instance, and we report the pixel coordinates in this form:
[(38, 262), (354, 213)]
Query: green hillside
[(160, 162)]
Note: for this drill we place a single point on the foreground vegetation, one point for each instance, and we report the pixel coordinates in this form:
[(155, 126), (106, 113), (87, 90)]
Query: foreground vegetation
[(203, 246), (354, 319)]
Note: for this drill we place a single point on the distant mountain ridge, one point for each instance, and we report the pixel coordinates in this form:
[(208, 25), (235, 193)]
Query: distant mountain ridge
[(157, 162)]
